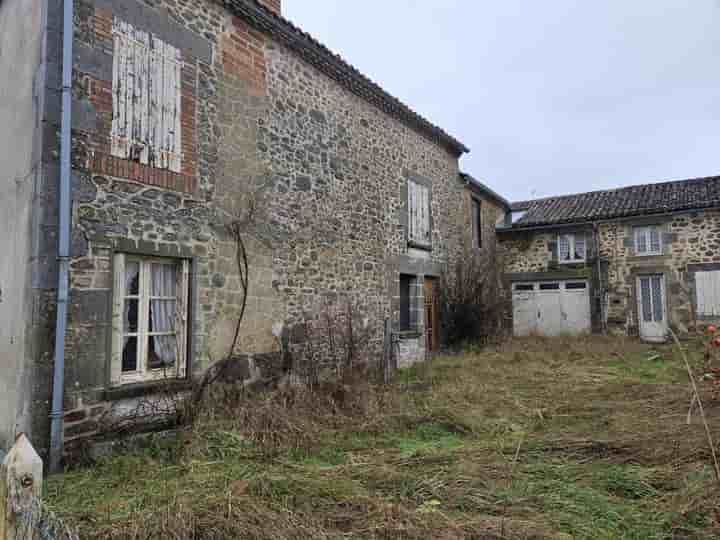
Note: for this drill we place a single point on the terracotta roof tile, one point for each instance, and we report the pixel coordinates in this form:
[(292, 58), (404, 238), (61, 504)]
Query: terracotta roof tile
[(696, 193)]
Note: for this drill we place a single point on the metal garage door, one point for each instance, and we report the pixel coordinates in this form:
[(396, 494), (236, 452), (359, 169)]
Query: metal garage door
[(551, 308)]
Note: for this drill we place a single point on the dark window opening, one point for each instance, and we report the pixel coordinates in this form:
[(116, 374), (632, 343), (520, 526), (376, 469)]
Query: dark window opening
[(406, 289), (477, 223), (524, 287), (549, 286), (571, 286)]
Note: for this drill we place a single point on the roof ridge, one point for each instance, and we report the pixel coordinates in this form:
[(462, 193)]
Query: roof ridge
[(322, 58)]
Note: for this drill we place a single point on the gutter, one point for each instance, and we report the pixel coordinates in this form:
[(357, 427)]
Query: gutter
[(56, 416)]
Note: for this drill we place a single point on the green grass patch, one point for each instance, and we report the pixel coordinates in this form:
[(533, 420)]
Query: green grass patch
[(533, 439)]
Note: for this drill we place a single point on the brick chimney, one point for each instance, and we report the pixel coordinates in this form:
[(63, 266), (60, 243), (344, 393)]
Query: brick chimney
[(273, 5)]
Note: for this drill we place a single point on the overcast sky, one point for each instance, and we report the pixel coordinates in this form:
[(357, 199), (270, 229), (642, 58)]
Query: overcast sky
[(553, 96)]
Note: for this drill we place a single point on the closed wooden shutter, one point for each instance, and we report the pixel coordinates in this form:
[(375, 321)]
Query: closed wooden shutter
[(707, 287), (147, 97), (418, 213)]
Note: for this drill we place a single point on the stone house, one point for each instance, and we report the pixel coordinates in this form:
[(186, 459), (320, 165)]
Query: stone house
[(639, 260), (140, 138)]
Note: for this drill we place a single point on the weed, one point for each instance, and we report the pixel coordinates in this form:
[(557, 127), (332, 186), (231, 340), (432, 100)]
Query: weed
[(606, 454)]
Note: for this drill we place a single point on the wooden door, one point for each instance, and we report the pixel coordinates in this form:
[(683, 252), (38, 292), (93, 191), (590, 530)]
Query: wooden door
[(432, 315)]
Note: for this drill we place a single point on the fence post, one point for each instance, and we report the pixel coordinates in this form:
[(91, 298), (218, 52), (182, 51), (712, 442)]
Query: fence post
[(21, 478)]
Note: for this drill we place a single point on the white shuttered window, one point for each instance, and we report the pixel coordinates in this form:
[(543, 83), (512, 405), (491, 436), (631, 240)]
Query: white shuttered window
[(707, 289), (418, 214), (146, 122), (149, 322)]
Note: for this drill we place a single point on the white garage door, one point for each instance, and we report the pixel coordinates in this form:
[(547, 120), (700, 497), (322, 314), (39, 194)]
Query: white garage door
[(551, 308)]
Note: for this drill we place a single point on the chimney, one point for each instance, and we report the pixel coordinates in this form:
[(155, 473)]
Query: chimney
[(273, 5)]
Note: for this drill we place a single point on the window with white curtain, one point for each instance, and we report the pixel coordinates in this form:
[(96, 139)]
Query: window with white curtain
[(146, 96), (419, 214), (150, 306), (648, 240), (571, 248)]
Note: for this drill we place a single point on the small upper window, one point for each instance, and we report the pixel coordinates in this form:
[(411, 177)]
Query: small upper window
[(571, 248), (149, 318), (648, 240), (418, 214), (146, 98), (477, 223)]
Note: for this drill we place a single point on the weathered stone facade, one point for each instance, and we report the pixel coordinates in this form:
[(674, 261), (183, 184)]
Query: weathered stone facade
[(690, 243), (315, 172)]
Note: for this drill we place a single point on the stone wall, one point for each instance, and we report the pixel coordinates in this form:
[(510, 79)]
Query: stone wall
[(339, 171), (690, 243), (315, 175)]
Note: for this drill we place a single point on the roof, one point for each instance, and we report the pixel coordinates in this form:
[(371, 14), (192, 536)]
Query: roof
[(477, 184), (645, 199), (335, 67)]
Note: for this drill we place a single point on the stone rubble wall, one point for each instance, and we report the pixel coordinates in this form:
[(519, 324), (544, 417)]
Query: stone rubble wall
[(691, 242), (315, 174)]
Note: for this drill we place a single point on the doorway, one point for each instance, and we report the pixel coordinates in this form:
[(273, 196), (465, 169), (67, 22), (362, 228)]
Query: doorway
[(652, 312)]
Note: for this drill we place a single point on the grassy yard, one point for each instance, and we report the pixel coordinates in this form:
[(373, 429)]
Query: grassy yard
[(530, 439)]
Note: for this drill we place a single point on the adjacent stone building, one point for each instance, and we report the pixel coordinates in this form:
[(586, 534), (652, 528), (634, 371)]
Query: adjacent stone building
[(640, 260), (192, 121)]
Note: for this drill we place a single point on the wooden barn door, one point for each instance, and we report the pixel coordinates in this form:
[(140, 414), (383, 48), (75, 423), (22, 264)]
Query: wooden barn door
[(432, 315)]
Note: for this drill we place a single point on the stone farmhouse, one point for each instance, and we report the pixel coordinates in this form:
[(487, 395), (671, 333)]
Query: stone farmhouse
[(141, 130), (143, 135), (639, 260)]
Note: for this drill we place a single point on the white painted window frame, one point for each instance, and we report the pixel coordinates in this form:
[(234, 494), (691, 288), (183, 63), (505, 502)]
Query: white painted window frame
[(147, 98), (143, 373), (419, 213), (645, 232), (572, 240)]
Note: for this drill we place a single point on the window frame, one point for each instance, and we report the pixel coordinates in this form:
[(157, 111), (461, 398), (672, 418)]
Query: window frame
[(407, 322), (646, 232), (572, 241), (144, 374)]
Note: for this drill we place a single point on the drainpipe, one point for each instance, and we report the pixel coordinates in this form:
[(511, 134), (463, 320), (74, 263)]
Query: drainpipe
[(56, 416), (601, 288)]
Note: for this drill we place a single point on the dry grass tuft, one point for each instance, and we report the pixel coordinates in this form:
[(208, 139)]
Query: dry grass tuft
[(606, 453)]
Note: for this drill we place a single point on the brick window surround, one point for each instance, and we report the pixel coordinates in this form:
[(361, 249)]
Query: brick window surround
[(100, 159)]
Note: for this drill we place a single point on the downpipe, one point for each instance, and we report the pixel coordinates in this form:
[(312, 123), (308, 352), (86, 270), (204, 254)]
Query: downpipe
[(63, 293)]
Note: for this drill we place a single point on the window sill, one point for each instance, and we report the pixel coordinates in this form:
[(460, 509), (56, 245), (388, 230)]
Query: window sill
[(648, 258), (418, 245), (129, 391), (574, 261)]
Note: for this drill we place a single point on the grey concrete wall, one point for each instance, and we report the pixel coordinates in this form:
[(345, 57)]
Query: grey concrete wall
[(21, 53)]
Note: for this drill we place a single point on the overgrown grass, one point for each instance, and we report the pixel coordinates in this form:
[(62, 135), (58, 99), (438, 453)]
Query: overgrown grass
[(604, 452)]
